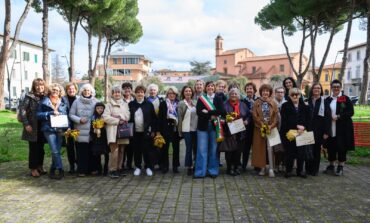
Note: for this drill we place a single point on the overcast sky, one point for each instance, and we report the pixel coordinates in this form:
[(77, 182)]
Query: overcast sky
[(178, 31)]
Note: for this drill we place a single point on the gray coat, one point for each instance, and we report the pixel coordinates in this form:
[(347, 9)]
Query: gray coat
[(27, 114), (82, 108)]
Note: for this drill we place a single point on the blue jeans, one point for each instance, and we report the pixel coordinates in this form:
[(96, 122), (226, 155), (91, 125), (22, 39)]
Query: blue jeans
[(189, 138), (55, 143), (207, 159)]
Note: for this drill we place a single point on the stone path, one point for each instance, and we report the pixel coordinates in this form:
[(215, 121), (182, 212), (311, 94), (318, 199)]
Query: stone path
[(179, 198)]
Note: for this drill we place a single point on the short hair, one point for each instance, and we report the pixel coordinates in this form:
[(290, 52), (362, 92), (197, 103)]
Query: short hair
[(311, 91), (265, 87), (38, 81), (233, 85), (61, 89), (236, 90), (336, 81), (140, 88), (294, 90), (278, 88), (183, 91), (221, 82), (126, 85), (251, 84), (71, 84), (116, 89), (208, 83), (89, 87), (173, 88), (152, 86)]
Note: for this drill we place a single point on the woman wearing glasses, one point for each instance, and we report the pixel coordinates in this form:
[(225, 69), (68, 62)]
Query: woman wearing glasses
[(294, 116), (341, 132)]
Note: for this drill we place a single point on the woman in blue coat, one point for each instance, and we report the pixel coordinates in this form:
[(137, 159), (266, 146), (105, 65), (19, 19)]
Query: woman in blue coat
[(53, 105)]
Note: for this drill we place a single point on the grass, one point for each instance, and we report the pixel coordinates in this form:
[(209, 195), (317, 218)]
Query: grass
[(362, 113)]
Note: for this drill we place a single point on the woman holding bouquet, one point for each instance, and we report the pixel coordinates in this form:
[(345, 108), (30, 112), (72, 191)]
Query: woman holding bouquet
[(342, 134), (265, 118), (209, 109), (115, 113), (235, 109), (294, 116)]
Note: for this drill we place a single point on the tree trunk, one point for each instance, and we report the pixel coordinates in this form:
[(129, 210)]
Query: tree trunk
[(332, 33), (4, 55), (365, 78), (93, 72), (299, 80), (89, 44), (345, 50), (287, 52), (45, 46), (105, 63), (313, 35), (72, 34)]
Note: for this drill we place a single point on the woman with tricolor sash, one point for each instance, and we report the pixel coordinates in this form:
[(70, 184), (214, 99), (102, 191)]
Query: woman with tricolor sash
[(210, 113)]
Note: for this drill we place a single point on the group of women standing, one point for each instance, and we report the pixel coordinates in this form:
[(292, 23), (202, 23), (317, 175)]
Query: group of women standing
[(200, 116)]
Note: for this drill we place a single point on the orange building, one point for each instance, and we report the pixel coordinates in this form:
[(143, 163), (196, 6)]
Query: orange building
[(329, 72), (125, 66), (258, 69)]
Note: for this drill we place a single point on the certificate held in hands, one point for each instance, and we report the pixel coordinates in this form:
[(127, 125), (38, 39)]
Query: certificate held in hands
[(274, 137), (59, 121), (236, 126), (304, 139)]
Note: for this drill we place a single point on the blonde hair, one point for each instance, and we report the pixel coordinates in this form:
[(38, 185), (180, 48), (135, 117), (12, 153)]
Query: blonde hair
[(172, 88), (71, 84), (294, 91), (61, 89)]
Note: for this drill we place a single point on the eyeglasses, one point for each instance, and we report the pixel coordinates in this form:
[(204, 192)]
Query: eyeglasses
[(294, 95), (55, 89), (280, 92), (335, 86)]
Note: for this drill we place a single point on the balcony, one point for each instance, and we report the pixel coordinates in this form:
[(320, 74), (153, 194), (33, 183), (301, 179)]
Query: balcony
[(356, 81)]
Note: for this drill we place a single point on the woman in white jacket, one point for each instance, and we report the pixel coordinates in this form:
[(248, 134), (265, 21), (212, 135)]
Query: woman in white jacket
[(80, 114), (116, 112)]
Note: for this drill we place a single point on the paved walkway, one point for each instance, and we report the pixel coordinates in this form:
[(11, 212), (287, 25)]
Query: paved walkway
[(179, 198)]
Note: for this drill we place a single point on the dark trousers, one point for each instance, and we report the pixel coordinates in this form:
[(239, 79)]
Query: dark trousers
[(232, 159), (95, 163), (336, 152), (164, 159), (142, 150), (36, 154), (71, 154), (128, 156), (83, 157), (291, 153), (313, 166), (247, 147)]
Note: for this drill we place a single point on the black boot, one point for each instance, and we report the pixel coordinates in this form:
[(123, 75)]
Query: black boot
[(329, 170), (339, 171)]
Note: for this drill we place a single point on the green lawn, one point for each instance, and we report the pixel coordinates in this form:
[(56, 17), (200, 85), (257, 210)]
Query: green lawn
[(362, 113)]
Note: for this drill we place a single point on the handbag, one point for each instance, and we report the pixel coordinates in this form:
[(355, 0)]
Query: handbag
[(229, 144), (125, 131)]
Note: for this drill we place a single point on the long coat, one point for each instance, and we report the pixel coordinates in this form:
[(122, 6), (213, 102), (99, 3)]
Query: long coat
[(28, 116), (320, 125), (344, 125), (112, 111), (259, 143)]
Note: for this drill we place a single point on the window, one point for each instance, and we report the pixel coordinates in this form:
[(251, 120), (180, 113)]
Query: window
[(349, 57), (26, 56), (14, 74), (225, 70), (26, 75), (121, 72), (349, 74), (358, 71), (358, 55), (326, 92), (14, 91), (281, 68), (134, 60), (225, 61), (253, 69), (35, 58), (115, 60), (326, 77), (13, 54), (27, 90)]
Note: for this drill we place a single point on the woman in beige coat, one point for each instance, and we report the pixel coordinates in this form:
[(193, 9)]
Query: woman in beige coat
[(265, 111), (115, 113)]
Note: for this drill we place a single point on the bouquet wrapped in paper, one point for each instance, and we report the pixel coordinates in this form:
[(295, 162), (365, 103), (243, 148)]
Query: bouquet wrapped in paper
[(98, 124), (231, 116), (265, 130), (74, 133), (159, 141), (291, 134)]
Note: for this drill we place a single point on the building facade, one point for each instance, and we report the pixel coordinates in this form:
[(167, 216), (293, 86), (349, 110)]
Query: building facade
[(258, 69), (124, 66), (23, 66), (329, 72), (354, 72)]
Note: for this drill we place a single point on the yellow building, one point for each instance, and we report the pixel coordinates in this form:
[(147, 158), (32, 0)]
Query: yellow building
[(124, 66), (329, 72)]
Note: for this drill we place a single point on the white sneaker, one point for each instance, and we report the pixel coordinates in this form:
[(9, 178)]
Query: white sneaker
[(137, 172), (149, 172), (262, 172), (271, 173)]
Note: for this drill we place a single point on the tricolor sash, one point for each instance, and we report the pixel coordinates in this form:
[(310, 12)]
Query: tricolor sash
[(207, 102), (219, 123)]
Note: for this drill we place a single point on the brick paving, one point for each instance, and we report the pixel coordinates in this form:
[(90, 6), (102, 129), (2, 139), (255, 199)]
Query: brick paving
[(179, 198)]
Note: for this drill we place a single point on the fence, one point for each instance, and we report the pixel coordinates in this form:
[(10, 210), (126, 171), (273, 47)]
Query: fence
[(362, 133)]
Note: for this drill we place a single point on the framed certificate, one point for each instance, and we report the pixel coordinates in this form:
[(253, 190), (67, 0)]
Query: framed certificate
[(59, 121), (236, 126), (305, 138), (274, 137)]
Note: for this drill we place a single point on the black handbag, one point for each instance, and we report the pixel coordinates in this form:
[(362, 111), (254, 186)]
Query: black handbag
[(229, 144), (125, 131), (305, 152)]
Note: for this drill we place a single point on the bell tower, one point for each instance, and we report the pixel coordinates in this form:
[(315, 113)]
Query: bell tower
[(219, 45)]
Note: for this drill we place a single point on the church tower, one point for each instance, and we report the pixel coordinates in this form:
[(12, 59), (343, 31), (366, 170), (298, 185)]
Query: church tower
[(219, 43)]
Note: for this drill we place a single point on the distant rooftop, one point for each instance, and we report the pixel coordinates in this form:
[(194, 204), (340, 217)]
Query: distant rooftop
[(27, 42), (355, 46), (269, 57), (123, 53)]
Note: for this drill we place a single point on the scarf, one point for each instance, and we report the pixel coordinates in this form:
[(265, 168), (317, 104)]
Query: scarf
[(55, 102), (172, 109), (322, 107), (235, 107)]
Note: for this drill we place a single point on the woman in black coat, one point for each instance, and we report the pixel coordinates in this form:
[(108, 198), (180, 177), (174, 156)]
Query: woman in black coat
[(320, 125), (341, 135), (294, 115)]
